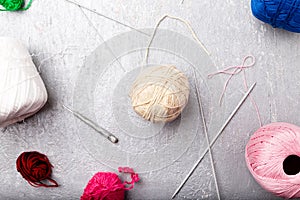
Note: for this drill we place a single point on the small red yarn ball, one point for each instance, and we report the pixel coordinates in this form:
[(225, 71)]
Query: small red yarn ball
[(104, 185), (35, 167)]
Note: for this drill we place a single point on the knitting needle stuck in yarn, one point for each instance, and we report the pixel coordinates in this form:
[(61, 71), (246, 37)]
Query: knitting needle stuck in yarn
[(91, 124)]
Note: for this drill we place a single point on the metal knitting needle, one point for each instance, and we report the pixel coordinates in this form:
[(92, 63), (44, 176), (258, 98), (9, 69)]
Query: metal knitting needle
[(214, 139), (206, 137), (97, 13), (91, 124)]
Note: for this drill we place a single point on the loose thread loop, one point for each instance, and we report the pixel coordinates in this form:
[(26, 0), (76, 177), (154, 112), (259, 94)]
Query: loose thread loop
[(14, 5), (181, 20), (134, 177), (234, 70)]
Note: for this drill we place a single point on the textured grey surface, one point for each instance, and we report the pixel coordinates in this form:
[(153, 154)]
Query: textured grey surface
[(60, 37)]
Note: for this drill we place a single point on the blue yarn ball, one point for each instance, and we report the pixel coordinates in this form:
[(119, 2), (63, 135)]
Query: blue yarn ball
[(283, 14)]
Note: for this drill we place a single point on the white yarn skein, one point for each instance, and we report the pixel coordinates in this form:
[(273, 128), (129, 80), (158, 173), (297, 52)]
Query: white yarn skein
[(159, 94), (22, 91)]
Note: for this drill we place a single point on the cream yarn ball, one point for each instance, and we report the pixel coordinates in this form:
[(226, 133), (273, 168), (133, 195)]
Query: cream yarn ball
[(160, 93)]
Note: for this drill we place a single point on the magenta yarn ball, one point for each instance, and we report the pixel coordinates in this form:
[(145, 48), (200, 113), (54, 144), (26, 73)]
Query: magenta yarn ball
[(273, 158), (104, 185)]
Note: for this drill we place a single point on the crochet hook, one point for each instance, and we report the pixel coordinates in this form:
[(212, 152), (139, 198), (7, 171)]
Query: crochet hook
[(91, 124)]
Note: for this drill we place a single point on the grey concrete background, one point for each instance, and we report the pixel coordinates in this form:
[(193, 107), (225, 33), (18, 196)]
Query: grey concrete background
[(60, 36)]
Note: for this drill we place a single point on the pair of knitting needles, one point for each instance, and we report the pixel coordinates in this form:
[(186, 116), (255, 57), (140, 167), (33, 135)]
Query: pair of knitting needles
[(93, 125), (214, 139)]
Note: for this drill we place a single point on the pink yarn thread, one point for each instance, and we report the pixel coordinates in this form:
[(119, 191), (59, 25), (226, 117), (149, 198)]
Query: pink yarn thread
[(108, 186), (234, 70), (266, 153)]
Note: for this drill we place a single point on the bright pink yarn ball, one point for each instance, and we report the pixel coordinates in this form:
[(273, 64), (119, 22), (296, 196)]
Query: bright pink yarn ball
[(104, 185), (108, 186), (273, 157)]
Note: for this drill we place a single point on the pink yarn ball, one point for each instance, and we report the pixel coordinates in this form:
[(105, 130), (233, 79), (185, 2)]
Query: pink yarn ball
[(273, 158), (104, 185), (108, 186)]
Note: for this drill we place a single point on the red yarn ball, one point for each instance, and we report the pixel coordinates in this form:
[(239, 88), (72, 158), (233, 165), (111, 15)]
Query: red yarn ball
[(108, 186), (35, 167)]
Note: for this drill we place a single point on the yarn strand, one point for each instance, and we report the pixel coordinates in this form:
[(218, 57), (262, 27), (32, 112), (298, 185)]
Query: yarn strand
[(234, 70), (175, 18), (14, 5), (134, 177), (40, 184), (231, 71)]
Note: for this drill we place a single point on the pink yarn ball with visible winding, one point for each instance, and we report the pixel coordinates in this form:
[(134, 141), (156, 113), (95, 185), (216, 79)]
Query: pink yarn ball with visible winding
[(268, 156), (104, 185)]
